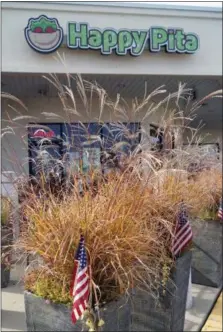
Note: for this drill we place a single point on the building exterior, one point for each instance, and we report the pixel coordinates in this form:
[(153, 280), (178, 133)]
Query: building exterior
[(121, 46)]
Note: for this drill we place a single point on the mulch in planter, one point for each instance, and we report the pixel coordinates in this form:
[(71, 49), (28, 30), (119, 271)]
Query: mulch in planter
[(206, 266), (140, 312)]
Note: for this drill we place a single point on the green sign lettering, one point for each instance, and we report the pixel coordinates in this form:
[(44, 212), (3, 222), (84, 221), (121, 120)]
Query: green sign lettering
[(78, 36), (95, 39), (45, 35), (158, 38), (173, 40), (192, 43), (140, 38), (179, 36), (109, 41), (126, 41)]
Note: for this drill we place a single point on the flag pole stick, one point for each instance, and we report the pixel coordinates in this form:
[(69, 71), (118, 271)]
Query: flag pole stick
[(189, 303)]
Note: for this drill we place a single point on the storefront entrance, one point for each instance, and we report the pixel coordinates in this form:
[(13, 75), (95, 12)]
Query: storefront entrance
[(84, 137)]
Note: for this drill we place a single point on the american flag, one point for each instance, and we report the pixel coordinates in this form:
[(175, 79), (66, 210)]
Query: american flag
[(80, 288), (220, 216), (183, 232)]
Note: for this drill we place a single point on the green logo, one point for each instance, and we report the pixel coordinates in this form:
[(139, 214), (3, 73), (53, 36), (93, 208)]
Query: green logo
[(108, 40), (174, 40), (130, 41), (44, 34)]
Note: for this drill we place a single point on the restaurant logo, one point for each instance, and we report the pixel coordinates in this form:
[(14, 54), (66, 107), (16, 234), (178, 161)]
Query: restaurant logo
[(133, 42), (43, 134), (44, 34)]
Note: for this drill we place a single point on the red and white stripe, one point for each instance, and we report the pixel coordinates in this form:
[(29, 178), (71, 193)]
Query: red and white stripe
[(182, 237), (81, 291), (220, 215)]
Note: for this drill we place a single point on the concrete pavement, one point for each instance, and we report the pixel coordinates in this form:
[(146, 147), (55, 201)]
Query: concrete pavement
[(12, 300), (203, 300), (214, 321)]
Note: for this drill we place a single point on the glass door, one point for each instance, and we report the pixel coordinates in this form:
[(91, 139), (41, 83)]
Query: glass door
[(45, 148), (83, 145)]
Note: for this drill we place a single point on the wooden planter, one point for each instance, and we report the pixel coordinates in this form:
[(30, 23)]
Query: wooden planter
[(6, 240), (138, 313), (207, 253)]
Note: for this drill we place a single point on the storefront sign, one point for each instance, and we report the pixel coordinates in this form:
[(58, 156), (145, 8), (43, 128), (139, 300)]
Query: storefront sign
[(44, 134), (45, 35)]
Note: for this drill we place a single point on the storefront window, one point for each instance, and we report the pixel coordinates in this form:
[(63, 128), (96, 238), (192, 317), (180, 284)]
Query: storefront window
[(156, 138), (160, 138), (84, 146)]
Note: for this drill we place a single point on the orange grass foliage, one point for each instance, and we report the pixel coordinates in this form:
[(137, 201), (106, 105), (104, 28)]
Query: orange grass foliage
[(127, 229), (204, 191)]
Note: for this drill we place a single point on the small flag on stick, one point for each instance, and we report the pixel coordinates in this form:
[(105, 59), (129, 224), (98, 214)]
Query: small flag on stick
[(183, 232), (80, 288), (220, 216)]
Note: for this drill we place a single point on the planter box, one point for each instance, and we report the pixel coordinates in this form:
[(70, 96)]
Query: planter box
[(6, 240), (138, 313), (207, 253), (5, 276), (6, 236)]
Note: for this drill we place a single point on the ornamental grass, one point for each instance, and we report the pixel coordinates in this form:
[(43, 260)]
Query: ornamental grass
[(204, 192), (127, 237), (127, 216)]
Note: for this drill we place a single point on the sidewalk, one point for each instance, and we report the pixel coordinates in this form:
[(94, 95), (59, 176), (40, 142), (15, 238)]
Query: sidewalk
[(203, 299), (13, 311), (214, 321)]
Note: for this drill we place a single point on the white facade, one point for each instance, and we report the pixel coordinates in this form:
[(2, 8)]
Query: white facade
[(18, 57)]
